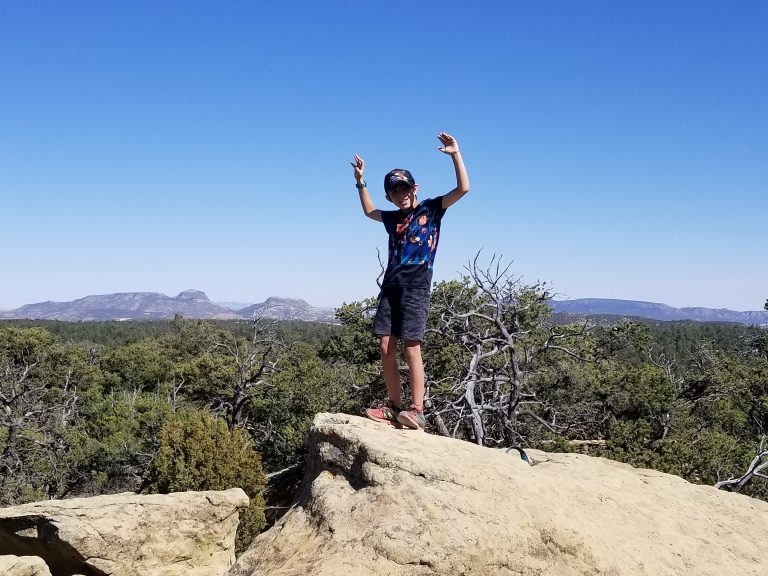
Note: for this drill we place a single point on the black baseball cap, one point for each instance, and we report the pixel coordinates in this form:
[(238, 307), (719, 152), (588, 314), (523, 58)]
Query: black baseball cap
[(395, 177)]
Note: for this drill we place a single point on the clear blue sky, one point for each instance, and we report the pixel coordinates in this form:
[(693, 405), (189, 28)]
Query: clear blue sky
[(616, 149)]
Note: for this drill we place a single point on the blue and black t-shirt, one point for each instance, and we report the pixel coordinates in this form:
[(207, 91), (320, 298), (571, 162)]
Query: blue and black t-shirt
[(413, 241)]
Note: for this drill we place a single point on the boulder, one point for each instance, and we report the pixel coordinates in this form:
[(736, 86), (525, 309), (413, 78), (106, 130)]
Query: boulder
[(189, 533), (381, 501), (23, 566)]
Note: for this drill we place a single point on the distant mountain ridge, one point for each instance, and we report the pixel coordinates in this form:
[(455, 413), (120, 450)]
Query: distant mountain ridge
[(156, 306), (196, 304), (655, 311)]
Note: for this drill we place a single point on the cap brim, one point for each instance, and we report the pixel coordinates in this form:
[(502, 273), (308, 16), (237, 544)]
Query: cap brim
[(392, 186)]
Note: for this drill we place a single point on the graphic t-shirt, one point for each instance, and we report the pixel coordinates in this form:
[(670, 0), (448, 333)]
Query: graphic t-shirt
[(413, 241)]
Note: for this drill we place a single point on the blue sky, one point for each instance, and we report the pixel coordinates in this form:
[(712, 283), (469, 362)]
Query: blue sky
[(615, 149)]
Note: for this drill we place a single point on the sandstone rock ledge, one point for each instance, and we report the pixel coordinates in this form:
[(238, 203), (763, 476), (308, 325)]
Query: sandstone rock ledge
[(185, 533), (23, 566), (381, 501)]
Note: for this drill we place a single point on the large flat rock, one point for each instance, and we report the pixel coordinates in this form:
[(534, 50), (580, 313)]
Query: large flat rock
[(392, 502), (185, 533)]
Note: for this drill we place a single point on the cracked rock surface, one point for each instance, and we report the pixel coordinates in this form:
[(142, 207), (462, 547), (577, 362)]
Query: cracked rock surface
[(382, 501), (189, 533)]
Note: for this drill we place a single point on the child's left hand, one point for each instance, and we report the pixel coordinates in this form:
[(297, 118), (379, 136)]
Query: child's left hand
[(450, 146)]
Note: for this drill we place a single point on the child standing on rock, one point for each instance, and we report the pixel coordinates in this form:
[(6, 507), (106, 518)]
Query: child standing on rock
[(414, 231)]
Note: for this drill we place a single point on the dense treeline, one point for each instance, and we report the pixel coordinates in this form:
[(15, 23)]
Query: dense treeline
[(88, 408), (119, 333)]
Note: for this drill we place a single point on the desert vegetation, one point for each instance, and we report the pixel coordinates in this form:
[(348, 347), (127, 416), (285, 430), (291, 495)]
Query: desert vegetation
[(91, 408)]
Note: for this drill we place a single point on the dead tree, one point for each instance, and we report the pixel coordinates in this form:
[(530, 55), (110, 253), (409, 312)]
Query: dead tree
[(500, 325), (755, 469), (255, 361)]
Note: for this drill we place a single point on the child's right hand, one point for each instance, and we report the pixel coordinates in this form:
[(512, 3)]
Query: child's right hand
[(359, 165), (450, 146)]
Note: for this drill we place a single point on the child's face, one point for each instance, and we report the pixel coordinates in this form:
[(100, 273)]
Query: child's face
[(404, 197)]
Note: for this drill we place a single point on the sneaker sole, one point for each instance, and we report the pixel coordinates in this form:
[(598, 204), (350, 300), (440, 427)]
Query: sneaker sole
[(408, 423), (391, 423)]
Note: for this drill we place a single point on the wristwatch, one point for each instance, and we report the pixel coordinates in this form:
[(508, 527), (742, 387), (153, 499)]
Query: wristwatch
[(361, 185)]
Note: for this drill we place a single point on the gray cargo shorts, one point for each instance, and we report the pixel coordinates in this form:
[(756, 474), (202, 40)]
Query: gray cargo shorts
[(402, 312)]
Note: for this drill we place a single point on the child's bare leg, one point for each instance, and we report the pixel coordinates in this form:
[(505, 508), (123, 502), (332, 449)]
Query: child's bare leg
[(388, 349), (415, 370)]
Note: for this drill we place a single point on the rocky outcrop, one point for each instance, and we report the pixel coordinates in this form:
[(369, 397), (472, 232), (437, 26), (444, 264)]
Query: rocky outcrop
[(189, 533), (382, 501), (23, 566)]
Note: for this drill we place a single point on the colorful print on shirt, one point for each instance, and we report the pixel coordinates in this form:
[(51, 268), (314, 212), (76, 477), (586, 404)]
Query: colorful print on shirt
[(413, 240)]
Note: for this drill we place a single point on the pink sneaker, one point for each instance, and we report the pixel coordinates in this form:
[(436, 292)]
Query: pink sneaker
[(386, 414), (412, 418)]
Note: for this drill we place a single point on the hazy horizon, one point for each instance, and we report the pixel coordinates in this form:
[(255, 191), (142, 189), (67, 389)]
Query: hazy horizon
[(246, 303)]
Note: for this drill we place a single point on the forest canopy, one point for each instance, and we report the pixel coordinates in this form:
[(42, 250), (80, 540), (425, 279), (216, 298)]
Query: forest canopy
[(100, 407)]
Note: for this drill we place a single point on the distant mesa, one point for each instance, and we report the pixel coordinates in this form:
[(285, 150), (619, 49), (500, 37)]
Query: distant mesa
[(288, 309), (654, 311), (273, 300), (156, 306), (192, 295), (196, 304)]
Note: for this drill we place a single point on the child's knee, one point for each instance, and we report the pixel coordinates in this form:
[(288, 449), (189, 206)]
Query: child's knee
[(412, 347), (387, 346)]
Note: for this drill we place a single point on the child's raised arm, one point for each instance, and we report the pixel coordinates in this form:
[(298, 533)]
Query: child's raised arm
[(451, 147), (369, 208)]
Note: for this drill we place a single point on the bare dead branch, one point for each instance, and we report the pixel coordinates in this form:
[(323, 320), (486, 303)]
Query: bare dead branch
[(499, 323), (755, 468)]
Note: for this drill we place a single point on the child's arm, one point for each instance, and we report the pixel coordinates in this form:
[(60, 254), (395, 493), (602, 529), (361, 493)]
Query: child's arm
[(369, 208), (451, 147)]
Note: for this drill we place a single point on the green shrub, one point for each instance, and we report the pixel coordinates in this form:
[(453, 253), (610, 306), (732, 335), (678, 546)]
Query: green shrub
[(199, 452)]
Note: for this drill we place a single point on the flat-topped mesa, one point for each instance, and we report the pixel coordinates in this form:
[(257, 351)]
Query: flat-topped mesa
[(126, 306), (278, 301), (288, 309)]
